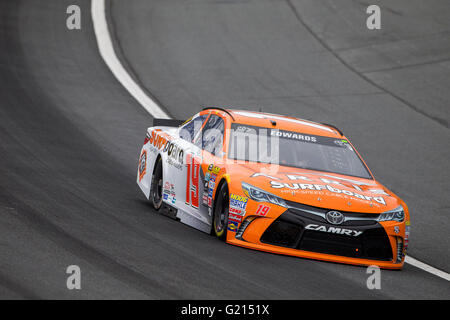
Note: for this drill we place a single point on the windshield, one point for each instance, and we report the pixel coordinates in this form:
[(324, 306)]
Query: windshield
[(294, 149)]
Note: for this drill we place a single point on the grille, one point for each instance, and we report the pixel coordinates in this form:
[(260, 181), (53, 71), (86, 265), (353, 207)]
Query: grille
[(289, 231), (282, 233), (330, 243), (372, 244), (318, 214)]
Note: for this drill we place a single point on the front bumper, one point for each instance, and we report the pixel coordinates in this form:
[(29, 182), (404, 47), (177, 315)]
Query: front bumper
[(362, 241)]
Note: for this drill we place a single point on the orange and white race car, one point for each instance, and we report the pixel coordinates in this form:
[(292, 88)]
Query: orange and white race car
[(273, 183)]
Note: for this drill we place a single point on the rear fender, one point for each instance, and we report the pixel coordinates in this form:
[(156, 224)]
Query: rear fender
[(150, 152)]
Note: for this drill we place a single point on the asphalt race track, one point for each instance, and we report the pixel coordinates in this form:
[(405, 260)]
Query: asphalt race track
[(70, 136)]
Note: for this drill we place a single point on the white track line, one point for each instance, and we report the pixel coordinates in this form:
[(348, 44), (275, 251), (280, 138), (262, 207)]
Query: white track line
[(108, 54), (427, 268)]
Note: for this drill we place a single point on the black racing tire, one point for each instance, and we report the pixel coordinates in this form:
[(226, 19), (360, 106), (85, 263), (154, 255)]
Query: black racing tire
[(220, 215), (156, 188)]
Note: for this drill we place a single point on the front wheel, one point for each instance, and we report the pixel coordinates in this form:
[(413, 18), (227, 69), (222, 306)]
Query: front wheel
[(220, 216), (156, 196)]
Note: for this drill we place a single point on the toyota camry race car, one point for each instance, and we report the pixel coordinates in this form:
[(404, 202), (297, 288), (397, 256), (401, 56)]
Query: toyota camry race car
[(273, 183)]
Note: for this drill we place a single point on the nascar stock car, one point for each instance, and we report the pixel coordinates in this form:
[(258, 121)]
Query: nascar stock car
[(273, 183)]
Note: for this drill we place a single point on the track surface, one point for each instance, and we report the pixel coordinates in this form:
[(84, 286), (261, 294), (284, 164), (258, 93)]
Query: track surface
[(70, 137)]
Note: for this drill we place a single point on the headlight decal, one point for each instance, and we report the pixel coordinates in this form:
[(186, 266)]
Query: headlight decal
[(260, 195), (397, 214)]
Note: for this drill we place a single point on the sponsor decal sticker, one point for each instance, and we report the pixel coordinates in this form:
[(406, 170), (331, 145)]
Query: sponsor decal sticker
[(293, 135), (157, 141), (169, 192), (379, 191), (407, 230), (237, 201), (232, 226), (205, 199), (210, 194), (236, 211), (205, 187), (234, 217), (319, 187), (213, 169), (347, 232), (142, 165), (175, 155), (343, 143)]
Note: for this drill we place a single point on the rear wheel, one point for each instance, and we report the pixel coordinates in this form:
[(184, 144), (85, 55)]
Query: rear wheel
[(220, 216), (156, 194)]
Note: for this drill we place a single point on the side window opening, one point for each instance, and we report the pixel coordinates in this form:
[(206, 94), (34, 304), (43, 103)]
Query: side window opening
[(212, 135), (189, 130)]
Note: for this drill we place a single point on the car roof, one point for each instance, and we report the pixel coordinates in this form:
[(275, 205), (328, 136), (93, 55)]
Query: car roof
[(266, 120)]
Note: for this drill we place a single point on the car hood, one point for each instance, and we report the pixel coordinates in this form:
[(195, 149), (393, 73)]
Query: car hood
[(321, 189)]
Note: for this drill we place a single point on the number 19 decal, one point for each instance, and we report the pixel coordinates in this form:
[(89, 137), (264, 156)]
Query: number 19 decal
[(193, 178), (262, 210)]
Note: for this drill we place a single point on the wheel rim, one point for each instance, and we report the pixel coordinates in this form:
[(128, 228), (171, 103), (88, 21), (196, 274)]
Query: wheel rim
[(157, 193), (156, 189), (222, 215)]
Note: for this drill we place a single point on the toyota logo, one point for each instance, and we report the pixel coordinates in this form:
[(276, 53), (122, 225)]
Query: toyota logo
[(334, 217)]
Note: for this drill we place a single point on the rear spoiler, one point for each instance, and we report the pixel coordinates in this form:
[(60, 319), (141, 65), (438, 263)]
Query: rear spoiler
[(167, 122)]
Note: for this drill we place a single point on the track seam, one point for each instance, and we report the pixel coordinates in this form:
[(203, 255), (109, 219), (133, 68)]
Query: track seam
[(441, 122)]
